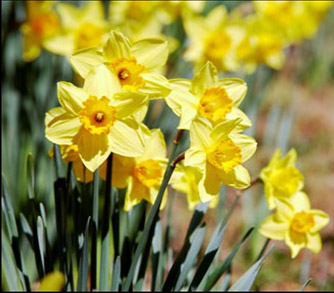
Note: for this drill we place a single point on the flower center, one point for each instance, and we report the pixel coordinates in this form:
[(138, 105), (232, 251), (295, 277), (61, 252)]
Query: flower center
[(217, 44), (129, 73), (225, 155), (286, 180), (97, 116), (215, 104), (45, 25), (302, 222), (148, 172), (88, 35)]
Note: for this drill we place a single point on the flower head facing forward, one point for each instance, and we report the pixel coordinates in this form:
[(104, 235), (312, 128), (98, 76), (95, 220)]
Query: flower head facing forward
[(98, 118), (218, 153), (134, 64), (206, 96), (296, 223), (281, 178)]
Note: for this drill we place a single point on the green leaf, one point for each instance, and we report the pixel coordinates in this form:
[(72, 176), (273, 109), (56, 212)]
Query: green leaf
[(305, 285), (116, 275), (25, 226), (246, 281), (9, 274), (83, 265), (157, 270), (94, 229), (10, 218), (221, 269), (41, 243), (30, 176), (195, 245)]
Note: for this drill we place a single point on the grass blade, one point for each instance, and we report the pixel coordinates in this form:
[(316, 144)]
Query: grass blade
[(83, 265), (220, 270), (196, 242), (157, 270), (305, 285), (116, 275), (30, 176), (41, 243), (10, 221), (246, 281)]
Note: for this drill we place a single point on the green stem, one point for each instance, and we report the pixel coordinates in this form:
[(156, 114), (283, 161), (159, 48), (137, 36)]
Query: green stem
[(94, 228)]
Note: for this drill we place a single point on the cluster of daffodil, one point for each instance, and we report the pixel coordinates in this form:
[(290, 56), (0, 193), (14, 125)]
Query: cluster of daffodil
[(293, 221), (238, 40), (105, 116)]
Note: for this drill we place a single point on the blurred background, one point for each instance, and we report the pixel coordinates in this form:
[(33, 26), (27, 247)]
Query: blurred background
[(290, 107)]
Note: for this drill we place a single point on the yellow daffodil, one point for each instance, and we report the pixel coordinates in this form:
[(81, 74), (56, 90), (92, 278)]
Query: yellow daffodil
[(208, 97), (261, 42), (218, 153), (133, 64), (97, 118), (281, 178), (186, 179), (70, 154), (211, 38), (54, 281), (296, 19), (296, 223), (42, 23), (82, 27), (141, 175)]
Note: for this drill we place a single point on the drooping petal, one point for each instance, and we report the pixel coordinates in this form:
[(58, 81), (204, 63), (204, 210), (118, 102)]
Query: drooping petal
[(212, 182), (135, 193), (128, 103), (155, 146), (81, 173), (238, 177), (156, 86), (273, 229), (195, 157), (300, 201), (84, 60), (100, 82), (93, 149), (117, 46), (222, 130), (207, 77), (53, 113), (295, 241), (152, 53), (200, 133), (321, 219), (245, 122), (314, 242), (126, 139), (236, 89), (246, 143), (71, 97), (61, 129), (285, 211), (269, 194)]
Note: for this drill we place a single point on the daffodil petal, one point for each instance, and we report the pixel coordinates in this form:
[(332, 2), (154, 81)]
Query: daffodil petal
[(152, 53), (300, 201), (238, 177), (81, 173), (155, 146), (289, 159), (117, 46), (321, 219), (62, 129), (71, 97), (245, 122), (314, 242), (84, 60), (156, 86), (62, 44), (273, 229), (236, 89), (222, 130), (134, 194), (53, 113), (69, 15), (126, 139), (100, 82), (195, 157), (285, 210), (207, 77), (128, 103), (212, 182), (200, 133), (246, 143), (93, 149), (293, 244), (92, 10)]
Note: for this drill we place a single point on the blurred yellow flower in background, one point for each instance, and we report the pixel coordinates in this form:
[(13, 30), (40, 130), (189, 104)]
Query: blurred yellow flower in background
[(281, 178), (97, 118), (208, 97), (133, 64), (218, 152), (296, 223), (141, 175), (82, 27), (54, 281), (41, 24)]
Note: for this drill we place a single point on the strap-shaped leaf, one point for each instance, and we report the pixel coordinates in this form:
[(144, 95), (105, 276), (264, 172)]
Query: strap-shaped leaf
[(221, 269), (195, 245), (116, 275), (41, 242), (83, 265), (246, 281), (305, 285), (30, 176), (25, 226), (7, 205), (157, 257)]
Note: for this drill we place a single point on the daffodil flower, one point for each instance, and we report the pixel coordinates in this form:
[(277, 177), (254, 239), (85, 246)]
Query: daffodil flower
[(82, 27), (42, 23), (141, 175), (206, 96), (281, 178), (218, 153), (296, 223), (97, 118), (211, 38), (133, 64), (54, 281), (186, 179)]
